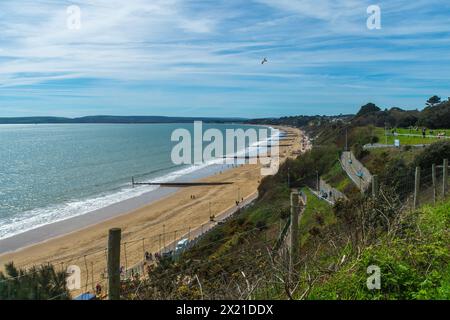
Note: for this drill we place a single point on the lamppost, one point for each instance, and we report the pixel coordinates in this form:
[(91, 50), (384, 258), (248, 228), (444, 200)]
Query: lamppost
[(385, 132), (317, 181), (346, 138)]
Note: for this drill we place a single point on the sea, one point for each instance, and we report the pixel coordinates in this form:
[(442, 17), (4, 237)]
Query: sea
[(53, 172)]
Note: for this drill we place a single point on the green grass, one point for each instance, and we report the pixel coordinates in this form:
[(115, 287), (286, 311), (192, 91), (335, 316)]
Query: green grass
[(265, 212), (318, 213), (414, 265), (377, 159), (405, 140), (412, 131), (338, 179)]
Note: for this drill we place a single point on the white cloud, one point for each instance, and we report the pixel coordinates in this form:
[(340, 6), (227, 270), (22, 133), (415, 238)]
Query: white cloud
[(114, 37), (309, 44), (318, 9)]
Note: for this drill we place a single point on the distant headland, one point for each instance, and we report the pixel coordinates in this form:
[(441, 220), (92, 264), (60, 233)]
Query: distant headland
[(114, 119)]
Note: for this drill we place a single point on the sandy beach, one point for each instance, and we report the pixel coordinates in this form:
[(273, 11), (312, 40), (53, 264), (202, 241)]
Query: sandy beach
[(151, 227)]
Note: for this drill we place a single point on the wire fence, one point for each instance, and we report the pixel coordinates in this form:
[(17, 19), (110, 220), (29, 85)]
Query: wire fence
[(135, 279), (91, 268), (88, 272), (423, 187), (233, 274), (141, 258)]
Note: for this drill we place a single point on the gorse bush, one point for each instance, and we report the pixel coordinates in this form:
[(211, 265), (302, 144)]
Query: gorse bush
[(36, 283), (413, 264)]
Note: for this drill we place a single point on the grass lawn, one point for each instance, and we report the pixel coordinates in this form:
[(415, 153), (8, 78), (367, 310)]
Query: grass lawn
[(412, 131), (405, 140)]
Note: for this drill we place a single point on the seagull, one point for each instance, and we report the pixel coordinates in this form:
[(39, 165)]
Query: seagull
[(264, 61)]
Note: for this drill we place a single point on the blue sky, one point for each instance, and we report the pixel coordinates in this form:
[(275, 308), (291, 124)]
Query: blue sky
[(203, 58)]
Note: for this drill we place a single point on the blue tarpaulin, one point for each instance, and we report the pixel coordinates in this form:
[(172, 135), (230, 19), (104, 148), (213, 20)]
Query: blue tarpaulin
[(85, 296)]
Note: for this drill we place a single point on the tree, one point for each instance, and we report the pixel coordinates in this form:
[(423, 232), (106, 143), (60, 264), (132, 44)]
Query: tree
[(367, 109), (436, 117), (434, 100)]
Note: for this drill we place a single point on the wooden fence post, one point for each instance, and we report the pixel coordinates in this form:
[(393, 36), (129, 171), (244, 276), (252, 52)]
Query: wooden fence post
[(375, 186), (445, 179), (416, 188), (114, 264), (433, 176), (293, 237)]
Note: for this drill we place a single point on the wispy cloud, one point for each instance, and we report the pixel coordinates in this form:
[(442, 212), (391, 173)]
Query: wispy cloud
[(170, 56)]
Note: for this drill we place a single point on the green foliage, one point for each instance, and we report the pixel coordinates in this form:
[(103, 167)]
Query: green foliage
[(436, 116), (338, 179), (320, 159), (434, 153), (359, 151), (367, 109), (337, 244), (432, 101), (413, 265), (395, 117), (317, 215), (301, 121), (37, 283), (360, 136)]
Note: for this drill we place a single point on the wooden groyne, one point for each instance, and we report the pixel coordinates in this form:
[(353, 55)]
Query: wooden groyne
[(180, 184), (272, 145)]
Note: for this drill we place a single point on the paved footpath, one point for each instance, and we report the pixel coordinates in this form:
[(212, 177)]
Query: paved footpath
[(356, 171), (328, 193)]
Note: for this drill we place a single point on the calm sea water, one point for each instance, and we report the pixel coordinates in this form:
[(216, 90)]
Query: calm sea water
[(49, 173)]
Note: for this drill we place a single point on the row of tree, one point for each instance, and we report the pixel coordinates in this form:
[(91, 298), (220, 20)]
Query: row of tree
[(435, 115)]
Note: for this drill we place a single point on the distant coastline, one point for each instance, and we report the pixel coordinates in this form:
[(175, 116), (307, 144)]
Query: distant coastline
[(143, 219), (115, 119)]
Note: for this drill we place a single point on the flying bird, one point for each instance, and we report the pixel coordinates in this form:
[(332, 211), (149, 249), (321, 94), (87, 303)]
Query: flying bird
[(264, 61)]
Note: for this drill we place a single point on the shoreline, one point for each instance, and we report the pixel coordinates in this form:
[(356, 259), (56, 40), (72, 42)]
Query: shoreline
[(144, 227), (70, 225), (59, 228)]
